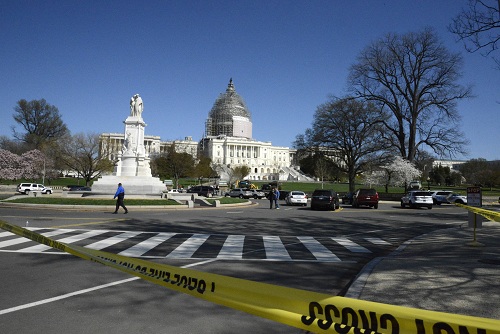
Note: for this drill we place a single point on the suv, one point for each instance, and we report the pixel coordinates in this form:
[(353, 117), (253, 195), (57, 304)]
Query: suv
[(367, 197), (25, 188), (439, 196), (257, 194), (324, 199), (417, 198), (239, 192), (206, 191)]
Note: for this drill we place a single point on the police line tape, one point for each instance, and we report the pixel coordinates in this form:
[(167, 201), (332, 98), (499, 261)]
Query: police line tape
[(488, 214), (311, 311)]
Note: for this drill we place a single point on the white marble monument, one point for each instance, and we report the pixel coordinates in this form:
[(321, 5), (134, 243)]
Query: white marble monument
[(132, 168)]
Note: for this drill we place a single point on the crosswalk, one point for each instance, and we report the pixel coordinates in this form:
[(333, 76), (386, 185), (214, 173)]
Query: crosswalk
[(202, 246)]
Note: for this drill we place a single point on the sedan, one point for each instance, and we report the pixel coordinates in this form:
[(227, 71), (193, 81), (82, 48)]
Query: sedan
[(296, 197)]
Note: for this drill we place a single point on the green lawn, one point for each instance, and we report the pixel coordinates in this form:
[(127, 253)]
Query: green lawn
[(48, 199)]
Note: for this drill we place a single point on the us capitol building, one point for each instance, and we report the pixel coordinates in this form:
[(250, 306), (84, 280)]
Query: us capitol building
[(227, 142)]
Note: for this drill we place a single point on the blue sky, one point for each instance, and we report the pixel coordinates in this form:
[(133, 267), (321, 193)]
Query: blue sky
[(285, 57)]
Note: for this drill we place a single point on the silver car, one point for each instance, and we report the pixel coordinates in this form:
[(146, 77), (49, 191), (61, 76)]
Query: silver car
[(239, 192), (456, 198), (257, 194), (296, 197), (417, 199)]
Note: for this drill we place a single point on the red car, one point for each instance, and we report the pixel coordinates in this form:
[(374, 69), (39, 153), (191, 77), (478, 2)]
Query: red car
[(368, 197)]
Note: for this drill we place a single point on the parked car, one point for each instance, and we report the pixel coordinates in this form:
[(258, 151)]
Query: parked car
[(206, 191), (456, 198), (324, 199), (25, 188), (439, 196), (368, 197), (80, 188), (283, 194), (257, 194), (347, 198), (417, 198), (415, 185), (239, 192), (296, 197)]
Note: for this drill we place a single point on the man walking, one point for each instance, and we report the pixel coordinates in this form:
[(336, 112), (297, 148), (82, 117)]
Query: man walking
[(120, 195), (276, 199), (271, 198)]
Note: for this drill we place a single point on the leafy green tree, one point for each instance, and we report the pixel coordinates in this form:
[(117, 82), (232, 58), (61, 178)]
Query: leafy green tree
[(203, 168), (41, 122), (174, 165), (481, 172)]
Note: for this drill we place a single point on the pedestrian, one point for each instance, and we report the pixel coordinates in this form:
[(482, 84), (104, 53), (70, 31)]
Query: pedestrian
[(270, 196), (120, 195), (276, 199)]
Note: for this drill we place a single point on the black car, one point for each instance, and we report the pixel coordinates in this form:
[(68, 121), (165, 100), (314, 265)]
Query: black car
[(206, 191), (347, 198), (324, 199)]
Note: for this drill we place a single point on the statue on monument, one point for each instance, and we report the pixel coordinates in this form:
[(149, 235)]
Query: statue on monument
[(136, 106)]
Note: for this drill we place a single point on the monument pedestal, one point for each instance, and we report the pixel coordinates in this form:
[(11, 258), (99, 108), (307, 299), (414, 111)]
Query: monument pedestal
[(132, 168), (134, 185)]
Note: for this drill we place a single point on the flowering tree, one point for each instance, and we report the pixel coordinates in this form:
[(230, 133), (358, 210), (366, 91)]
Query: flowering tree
[(32, 164), (399, 172), (10, 165)]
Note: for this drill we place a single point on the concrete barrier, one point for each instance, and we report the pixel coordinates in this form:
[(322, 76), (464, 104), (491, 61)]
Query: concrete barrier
[(180, 196)]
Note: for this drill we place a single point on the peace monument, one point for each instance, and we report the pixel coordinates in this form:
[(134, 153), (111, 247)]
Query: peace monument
[(132, 168)]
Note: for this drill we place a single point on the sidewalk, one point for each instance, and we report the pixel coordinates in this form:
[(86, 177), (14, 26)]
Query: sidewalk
[(439, 271)]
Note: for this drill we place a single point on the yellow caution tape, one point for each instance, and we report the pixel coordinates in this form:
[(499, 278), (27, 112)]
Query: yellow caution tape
[(311, 311), (488, 214)]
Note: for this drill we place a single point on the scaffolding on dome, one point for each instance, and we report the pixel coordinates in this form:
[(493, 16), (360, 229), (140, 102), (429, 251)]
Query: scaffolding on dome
[(221, 117)]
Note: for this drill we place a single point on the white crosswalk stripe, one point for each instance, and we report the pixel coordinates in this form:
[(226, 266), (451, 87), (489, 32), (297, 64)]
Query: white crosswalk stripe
[(231, 248), (320, 252), (146, 245), (353, 247), (98, 245), (187, 249), (275, 250), (68, 240), (17, 241)]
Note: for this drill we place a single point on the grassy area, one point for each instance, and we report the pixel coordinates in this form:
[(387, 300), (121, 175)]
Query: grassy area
[(89, 201)]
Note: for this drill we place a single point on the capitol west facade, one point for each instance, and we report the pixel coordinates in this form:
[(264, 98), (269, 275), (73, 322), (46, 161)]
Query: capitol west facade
[(227, 142)]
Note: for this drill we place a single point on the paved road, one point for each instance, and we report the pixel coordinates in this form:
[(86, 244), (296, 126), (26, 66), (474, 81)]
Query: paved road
[(295, 247)]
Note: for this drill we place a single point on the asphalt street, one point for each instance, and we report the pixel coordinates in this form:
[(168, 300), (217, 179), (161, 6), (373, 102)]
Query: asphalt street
[(44, 289)]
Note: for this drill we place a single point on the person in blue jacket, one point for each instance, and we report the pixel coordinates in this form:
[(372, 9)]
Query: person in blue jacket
[(276, 198), (120, 195)]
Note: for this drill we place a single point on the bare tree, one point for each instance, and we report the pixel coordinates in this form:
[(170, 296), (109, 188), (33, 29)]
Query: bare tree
[(346, 130), (414, 79), (41, 122), (81, 154), (478, 27)]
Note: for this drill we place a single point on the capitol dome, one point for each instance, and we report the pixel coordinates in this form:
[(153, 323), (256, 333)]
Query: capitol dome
[(229, 116)]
